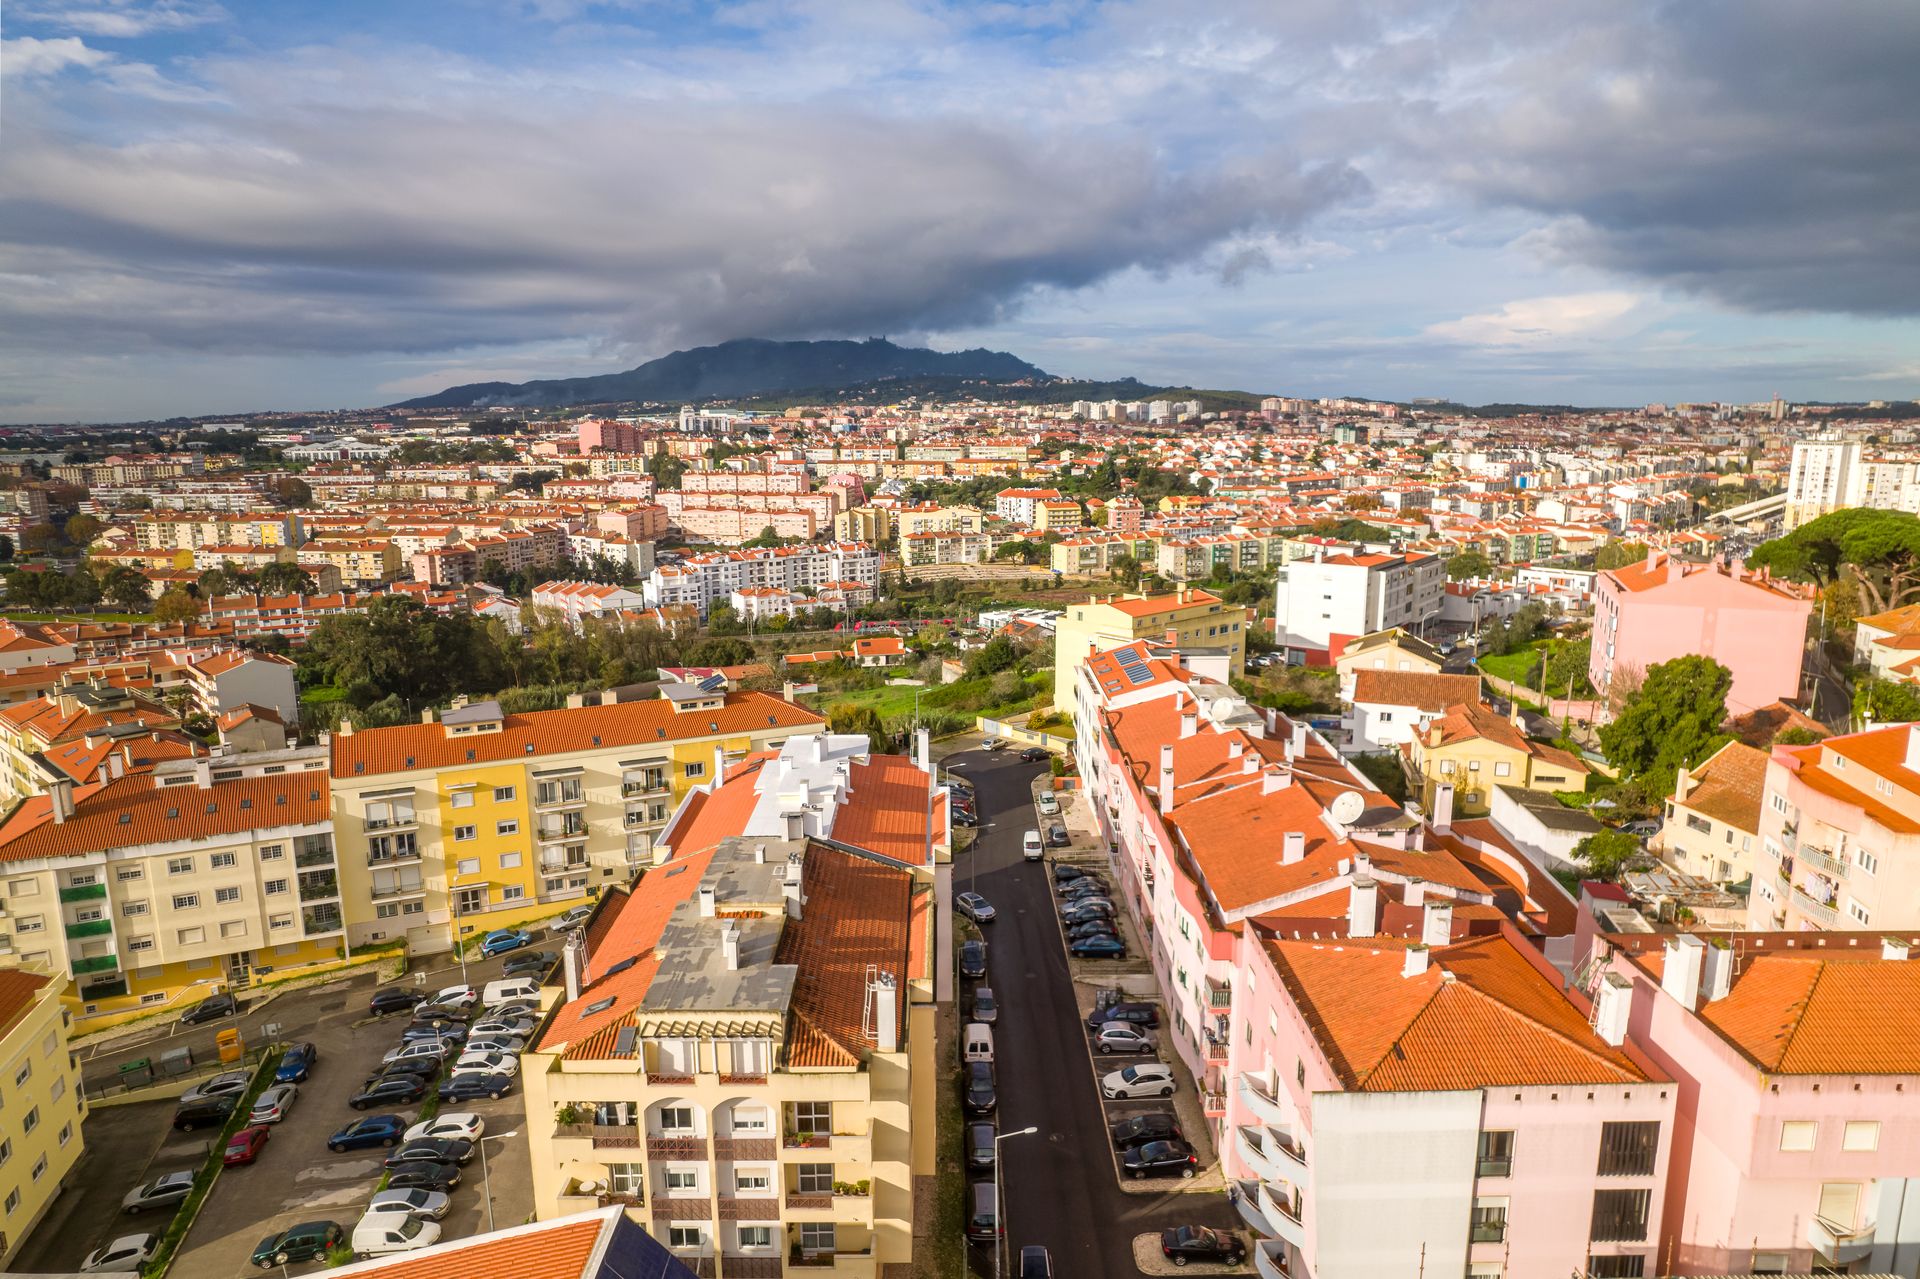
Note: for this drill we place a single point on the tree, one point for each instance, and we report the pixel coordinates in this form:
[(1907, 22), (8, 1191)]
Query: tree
[(1619, 555), (1125, 570), (722, 650), (847, 717), (1361, 502), (766, 537), (283, 579), (1468, 563), (83, 529), (176, 607), (1837, 610), (292, 491), (1879, 551), (1610, 854), (39, 537), (1672, 719), (997, 654), (1796, 735), (724, 620), (1879, 700), (127, 589)]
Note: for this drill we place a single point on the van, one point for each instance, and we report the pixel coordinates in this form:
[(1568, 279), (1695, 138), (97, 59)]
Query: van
[(983, 1222), (508, 989), (1032, 846), (976, 1042), (384, 1232)]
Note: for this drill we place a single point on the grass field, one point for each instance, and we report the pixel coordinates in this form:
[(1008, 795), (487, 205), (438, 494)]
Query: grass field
[(968, 697), (1522, 667)]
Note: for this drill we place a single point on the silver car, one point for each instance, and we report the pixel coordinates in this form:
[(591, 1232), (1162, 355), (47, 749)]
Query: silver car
[(274, 1103), (228, 1084), (432, 1204), (164, 1191), (123, 1256)]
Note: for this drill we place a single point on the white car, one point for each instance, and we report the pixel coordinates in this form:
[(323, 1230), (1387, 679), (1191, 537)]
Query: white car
[(229, 1084), (459, 998), (497, 1044), (449, 1123), (409, 1203), (273, 1104), (1049, 806), (1121, 1037), (124, 1255), (380, 1233), (1031, 847), (493, 1027), (574, 917), (1146, 1079), (486, 1064), (419, 1050)]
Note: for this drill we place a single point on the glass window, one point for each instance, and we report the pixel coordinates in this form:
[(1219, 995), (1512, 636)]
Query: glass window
[(626, 1179), (1620, 1215), (1840, 1204), (683, 1179), (748, 1120), (813, 1179), (1489, 1220), (1629, 1149), (1798, 1134), (1616, 1267), (816, 1236), (220, 861), (226, 895), (509, 861), (1496, 1154), (186, 901), (751, 1181), (685, 1236), (756, 1236), (676, 1119), (465, 832), (180, 866), (503, 794), (460, 799), (506, 828), (1861, 1134), (813, 1117)]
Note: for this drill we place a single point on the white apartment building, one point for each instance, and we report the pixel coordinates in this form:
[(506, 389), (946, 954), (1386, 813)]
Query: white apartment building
[(1321, 603), (1826, 476), (704, 580)]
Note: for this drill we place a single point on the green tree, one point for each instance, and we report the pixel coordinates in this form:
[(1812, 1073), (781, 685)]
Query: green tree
[(1125, 570), (1610, 854), (849, 717), (283, 579), (766, 537), (39, 537), (1619, 555), (1878, 551), (723, 620), (82, 529), (721, 650), (80, 591), (1672, 719), (127, 589), (1885, 702), (176, 607), (996, 655), (1795, 735), (1468, 563), (292, 491)]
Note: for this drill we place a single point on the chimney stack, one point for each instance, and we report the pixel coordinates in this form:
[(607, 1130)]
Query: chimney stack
[(923, 752), (1683, 782), (1612, 1004), (1363, 904), (1442, 807), (203, 773), (1436, 923), (1913, 746), (730, 946), (706, 896), (1299, 738), (1415, 892), (1234, 748), (886, 1013), (1718, 970), (1894, 948), (573, 963), (1277, 778), (792, 888), (60, 790), (1166, 779), (1415, 963), (1189, 723), (1293, 847), (1680, 977)]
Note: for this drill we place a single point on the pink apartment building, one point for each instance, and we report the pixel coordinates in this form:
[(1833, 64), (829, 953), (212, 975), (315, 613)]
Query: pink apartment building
[(1660, 609), (1797, 1146)]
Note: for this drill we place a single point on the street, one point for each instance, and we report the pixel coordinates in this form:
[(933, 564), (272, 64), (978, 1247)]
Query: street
[(1060, 1188)]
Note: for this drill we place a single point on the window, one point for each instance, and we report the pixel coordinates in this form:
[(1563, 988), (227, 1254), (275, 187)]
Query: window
[(179, 865), (1628, 1149), (1616, 1267), (1484, 1270), (66, 1133), (748, 1120), (468, 900), (683, 1179), (509, 861), (1473, 766), (280, 921), (813, 1116), (128, 873), (272, 852), (386, 910), (685, 1236), (813, 1179), (1620, 1215), (676, 1120), (234, 928), (413, 908), (1840, 1204), (512, 893), (40, 1167), (29, 924), (222, 861), (466, 832), (1489, 1220), (133, 908), (1446, 768), (1861, 1134), (816, 1236), (503, 794), (275, 886), (225, 896), (675, 1056), (1856, 910), (460, 799), (6, 1152), (751, 1181), (186, 901), (1502, 768), (468, 865), (696, 770), (1771, 1263), (756, 1237), (22, 1074), (143, 941), (31, 1120), (627, 1179), (193, 936), (1496, 1154), (23, 887), (506, 828), (1798, 1134), (13, 1200), (1866, 861)]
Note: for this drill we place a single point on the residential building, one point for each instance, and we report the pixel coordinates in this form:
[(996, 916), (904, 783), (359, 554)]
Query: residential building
[(578, 601), (931, 517), (919, 550), (1021, 506), (1393, 649), (864, 524), (1058, 515), (1473, 749), (605, 1243), (1386, 708), (703, 580), (1193, 620), (1712, 820), (757, 603), (1825, 477), (480, 819), (94, 715), (42, 1137), (1889, 643), (1753, 624), (1323, 603)]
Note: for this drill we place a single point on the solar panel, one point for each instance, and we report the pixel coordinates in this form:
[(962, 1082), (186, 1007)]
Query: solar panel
[(623, 1042), (623, 965), (597, 1006)]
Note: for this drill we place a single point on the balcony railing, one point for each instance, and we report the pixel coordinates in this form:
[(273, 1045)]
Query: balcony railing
[(320, 919), (319, 888), (382, 893), (1840, 1244), (83, 892), (641, 789), (90, 928), (745, 1148), (1219, 995), (565, 830), (682, 1209), (749, 1208), (1487, 1232), (1820, 859), (797, 1202), (314, 857), (1212, 1102), (676, 1147), (1264, 1105), (612, 1136), (559, 798), (1813, 909), (398, 822), (96, 964), (1496, 1168)]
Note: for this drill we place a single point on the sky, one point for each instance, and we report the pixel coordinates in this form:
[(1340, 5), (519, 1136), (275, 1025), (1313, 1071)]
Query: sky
[(210, 209)]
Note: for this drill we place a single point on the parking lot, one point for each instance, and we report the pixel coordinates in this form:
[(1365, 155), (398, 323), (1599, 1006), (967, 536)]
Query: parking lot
[(296, 1178)]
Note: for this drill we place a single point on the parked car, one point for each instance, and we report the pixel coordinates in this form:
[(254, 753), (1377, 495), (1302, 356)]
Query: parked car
[(434, 1050), (515, 1010), (1047, 804), (1182, 1244), (521, 1026), (1082, 913), (431, 1204), (467, 1087), (1158, 1125), (383, 1092), (393, 999), (212, 1008), (1035, 1262), (164, 1191), (973, 959), (1035, 754), (1091, 929), (994, 744), (1143, 1079), (449, 1123), (296, 1064), (502, 940), (309, 1241), (1084, 886), (1066, 872), (1139, 1014), (531, 964), (575, 916), (985, 1008), (980, 1154), (363, 1134), (379, 1234), (208, 1113), (1160, 1159), (521, 992), (983, 1219), (1030, 846), (245, 1145), (452, 1031), (481, 1063), (1057, 836), (974, 907), (965, 817), (423, 1067), (455, 998), (424, 1175), (274, 1104), (512, 1045), (980, 1095), (1099, 948), (438, 1150), (228, 1083), (123, 1256), (1119, 1037), (1645, 828)]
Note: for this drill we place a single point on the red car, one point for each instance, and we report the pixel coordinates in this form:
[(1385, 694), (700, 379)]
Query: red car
[(246, 1144)]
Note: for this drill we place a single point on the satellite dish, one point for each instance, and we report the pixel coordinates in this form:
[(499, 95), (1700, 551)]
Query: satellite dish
[(1347, 807), (1220, 711)]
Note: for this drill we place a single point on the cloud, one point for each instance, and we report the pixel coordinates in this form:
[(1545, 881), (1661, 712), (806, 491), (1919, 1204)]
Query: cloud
[(123, 19), (27, 56), (1543, 321)]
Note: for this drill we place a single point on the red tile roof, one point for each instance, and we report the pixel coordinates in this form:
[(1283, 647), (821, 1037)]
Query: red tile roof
[(1422, 690), (133, 810), (562, 1249), (18, 989), (858, 914)]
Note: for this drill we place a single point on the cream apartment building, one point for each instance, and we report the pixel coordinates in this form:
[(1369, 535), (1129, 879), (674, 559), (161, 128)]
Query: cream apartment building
[(41, 1108), (1712, 824)]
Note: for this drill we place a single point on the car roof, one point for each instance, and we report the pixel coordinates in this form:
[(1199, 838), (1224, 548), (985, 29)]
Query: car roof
[(130, 1241)]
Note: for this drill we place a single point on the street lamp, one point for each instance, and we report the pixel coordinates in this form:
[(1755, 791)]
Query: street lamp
[(486, 1182), (999, 1217)]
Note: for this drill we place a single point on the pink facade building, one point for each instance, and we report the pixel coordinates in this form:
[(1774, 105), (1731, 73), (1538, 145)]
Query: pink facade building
[(1652, 612)]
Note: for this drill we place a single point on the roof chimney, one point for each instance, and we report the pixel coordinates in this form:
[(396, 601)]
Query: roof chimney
[(706, 896), (1653, 559), (1293, 847), (203, 773), (1363, 905), (1612, 1003), (796, 861), (1299, 740), (730, 946), (1433, 734), (60, 791), (1680, 977), (1415, 892), (1719, 969), (1442, 807), (573, 963), (1234, 748), (1913, 746), (1189, 723), (1249, 765), (1415, 963), (1894, 948), (886, 1013), (922, 750), (1166, 779), (1436, 923), (1277, 777)]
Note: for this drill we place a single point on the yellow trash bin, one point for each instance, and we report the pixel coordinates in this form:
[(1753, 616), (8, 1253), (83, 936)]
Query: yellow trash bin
[(231, 1047)]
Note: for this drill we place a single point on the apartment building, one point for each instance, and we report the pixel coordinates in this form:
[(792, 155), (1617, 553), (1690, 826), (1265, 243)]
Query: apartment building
[(1825, 477), (1322, 602), (1388, 709), (931, 517), (864, 524), (918, 550), (1711, 825), (94, 715), (361, 562), (1840, 834), (1751, 623), (156, 889), (1389, 650), (704, 580), (1426, 1105), (1790, 1057), (190, 530), (1058, 515), (1021, 506), (1193, 620), (1472, 749), (477, 819), (1093, 554), (42, 1136), (577, 601)]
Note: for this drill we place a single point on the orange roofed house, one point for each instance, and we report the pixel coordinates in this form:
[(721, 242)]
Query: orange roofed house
[(744, 1056), (603, 1244)]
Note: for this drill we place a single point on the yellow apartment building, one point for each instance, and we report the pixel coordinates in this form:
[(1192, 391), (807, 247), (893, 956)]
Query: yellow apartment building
[(477, 819), (1196, 619), (1474, 749), (932, 518), (1058, 516), (864, 524), (154, 890), (191, 530), (363, 560), (42, 1107)]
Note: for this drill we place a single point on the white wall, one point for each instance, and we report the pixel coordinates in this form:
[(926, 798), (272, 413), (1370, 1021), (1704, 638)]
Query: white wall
[(1392, 1172)]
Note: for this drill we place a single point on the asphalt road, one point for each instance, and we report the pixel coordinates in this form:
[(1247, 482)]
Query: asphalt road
[(1060, 1188)]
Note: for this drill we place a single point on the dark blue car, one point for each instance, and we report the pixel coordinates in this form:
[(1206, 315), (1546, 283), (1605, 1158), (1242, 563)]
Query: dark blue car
[(296, 1064), (392, 1088), (467, 1087), (504, 940), (1099, 948), (374, 1130)]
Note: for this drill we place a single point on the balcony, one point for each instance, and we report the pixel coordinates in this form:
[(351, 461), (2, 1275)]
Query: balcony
[(797, 1202), (1219, 995), (381, 892), (676, 1147), (1495, 1168), (1270, 1154), (83, 892), (1282, 1217), (1215, 1048), (1820, 859), (603, 1136), (1264, 1105), (315, 920), (389, 850), (1213, 1102), (645, 788), (95, 964), (574, 827), (315, 855), (549, 797), (90, 928), (1812, 909), (1270, 1260), (699, 1209), (399, 821), (1839, 1244), (742, 1265), (749, 1208), (1487, 1231), (318, 888), (745, 1148)]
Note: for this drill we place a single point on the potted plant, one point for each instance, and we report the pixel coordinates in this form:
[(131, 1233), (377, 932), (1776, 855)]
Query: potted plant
[(568, 1114)]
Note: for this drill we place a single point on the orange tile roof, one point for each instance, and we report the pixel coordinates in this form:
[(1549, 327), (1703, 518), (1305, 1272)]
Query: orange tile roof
[(1422, 690), (858, 913), (563, 1249), (1156, 604), (887, 812), (1804, 763), (1729, 787), (18, 989), (1481, 1016), (372, 751), (134, 810)]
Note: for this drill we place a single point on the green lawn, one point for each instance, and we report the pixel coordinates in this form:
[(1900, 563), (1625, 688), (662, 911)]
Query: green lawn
[(967, 697), (1522, 667)]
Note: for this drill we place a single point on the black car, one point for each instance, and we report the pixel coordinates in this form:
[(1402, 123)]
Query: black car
[(1035, 1262), (980, 1095), (980, 1145), (1081, 912), (1084, 886), (433, 1150), (1141, 1129), (1181, 1244), (454, 1030), (467, 1087), (208, 1112), (394, 1088), (1160, 1159), (1091, 928), (423, 1068), (1064, 873), (530, 964), (973, 959), (1035, 754), (424, 1175), (961, 817), (1147, 1015), (393, 1000), (212, 1008)]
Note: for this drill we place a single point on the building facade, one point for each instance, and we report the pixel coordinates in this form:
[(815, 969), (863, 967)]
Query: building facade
[(42, 1135)]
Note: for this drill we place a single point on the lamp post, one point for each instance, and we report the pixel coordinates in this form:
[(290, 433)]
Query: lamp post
[(486, 1181), (999, 1218)]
